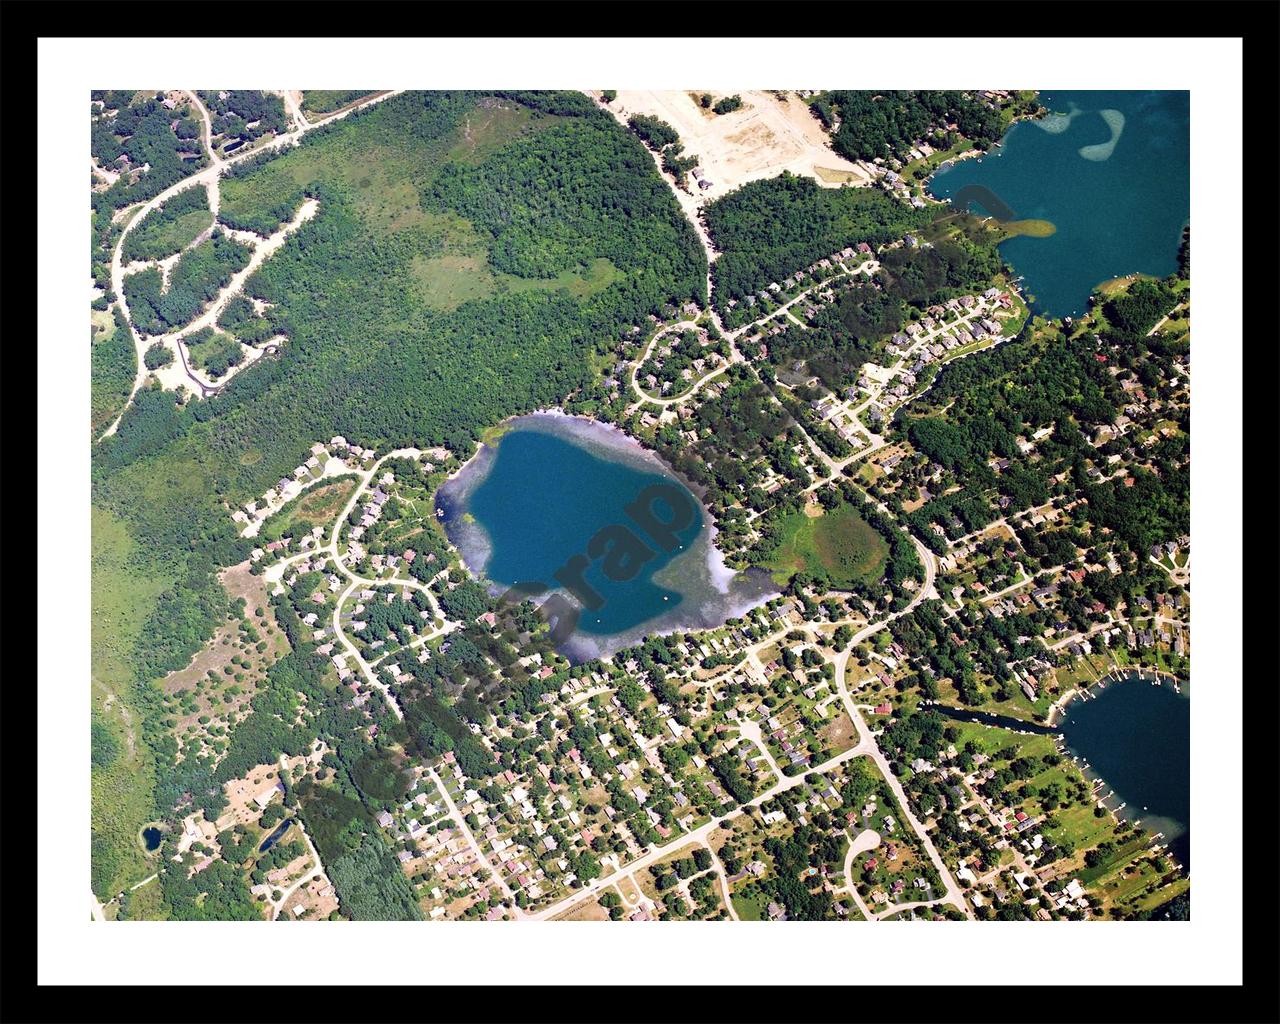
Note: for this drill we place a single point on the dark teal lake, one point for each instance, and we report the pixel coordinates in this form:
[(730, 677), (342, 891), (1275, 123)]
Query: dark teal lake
[(1111, 170), (524, 507), (1137, 738)]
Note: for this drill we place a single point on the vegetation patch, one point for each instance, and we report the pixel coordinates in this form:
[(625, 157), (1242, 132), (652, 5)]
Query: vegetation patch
[(123, 764), (326, 101), (171, 227), (113, 362), (839, 544), (213, 351), (316, 506), (767, 229)]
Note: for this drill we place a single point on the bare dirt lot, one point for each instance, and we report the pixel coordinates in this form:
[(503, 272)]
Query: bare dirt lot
[(317, 900), (241, 808), (763, 138), (840, 733), (587, 910)]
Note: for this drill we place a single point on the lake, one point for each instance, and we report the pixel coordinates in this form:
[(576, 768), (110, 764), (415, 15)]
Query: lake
[(1137, 738), (151, 837), (1111, 172), (527, 504)]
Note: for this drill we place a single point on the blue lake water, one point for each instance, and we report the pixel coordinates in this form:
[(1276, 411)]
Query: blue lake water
[(527, 505), (1137, 738), (151, 838), (1111, 170)]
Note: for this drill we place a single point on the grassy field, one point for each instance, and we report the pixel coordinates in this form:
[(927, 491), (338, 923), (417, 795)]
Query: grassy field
[(588, 910), (121, 785), (171, 236), (462, 272), (832, 176), (314, 507), (213, 346), (840, 543), (102, 324), (748, 909), (221, 679)]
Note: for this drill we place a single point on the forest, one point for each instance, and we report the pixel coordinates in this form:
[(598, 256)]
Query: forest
[(112, 366), (197, 278), (654, 131), (366, 358), (165, 142), (244, 114), (547, 214), (770, 228), (888, 123)]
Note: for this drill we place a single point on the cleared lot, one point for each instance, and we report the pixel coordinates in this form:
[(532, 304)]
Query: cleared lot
[(763, 138)]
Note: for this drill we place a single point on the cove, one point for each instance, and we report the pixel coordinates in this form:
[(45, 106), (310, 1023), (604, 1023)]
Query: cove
[(1136, 737), (532, 500), (1110, 170)]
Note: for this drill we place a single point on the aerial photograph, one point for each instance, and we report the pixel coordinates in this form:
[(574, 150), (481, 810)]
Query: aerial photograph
[(624, 505)]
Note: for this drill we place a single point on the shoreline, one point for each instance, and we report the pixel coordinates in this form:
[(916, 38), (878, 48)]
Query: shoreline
[(1115, 674), (1166, 830), (709, 597)]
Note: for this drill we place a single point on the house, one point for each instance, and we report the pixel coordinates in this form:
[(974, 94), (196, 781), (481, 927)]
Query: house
[(266, 796)]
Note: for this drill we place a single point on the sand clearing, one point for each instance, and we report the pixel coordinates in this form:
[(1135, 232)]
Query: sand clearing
[(763, 138)]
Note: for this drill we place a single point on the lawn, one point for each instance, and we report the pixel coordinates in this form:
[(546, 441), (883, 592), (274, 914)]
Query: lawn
[(839, 543), (748, 908)]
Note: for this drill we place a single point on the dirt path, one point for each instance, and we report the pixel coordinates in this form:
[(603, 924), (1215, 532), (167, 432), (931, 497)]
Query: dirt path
[(208, 129), (291, 100), (209, 177)]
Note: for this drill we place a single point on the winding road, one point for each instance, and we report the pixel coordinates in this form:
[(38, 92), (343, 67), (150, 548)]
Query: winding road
[(209, 178)]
